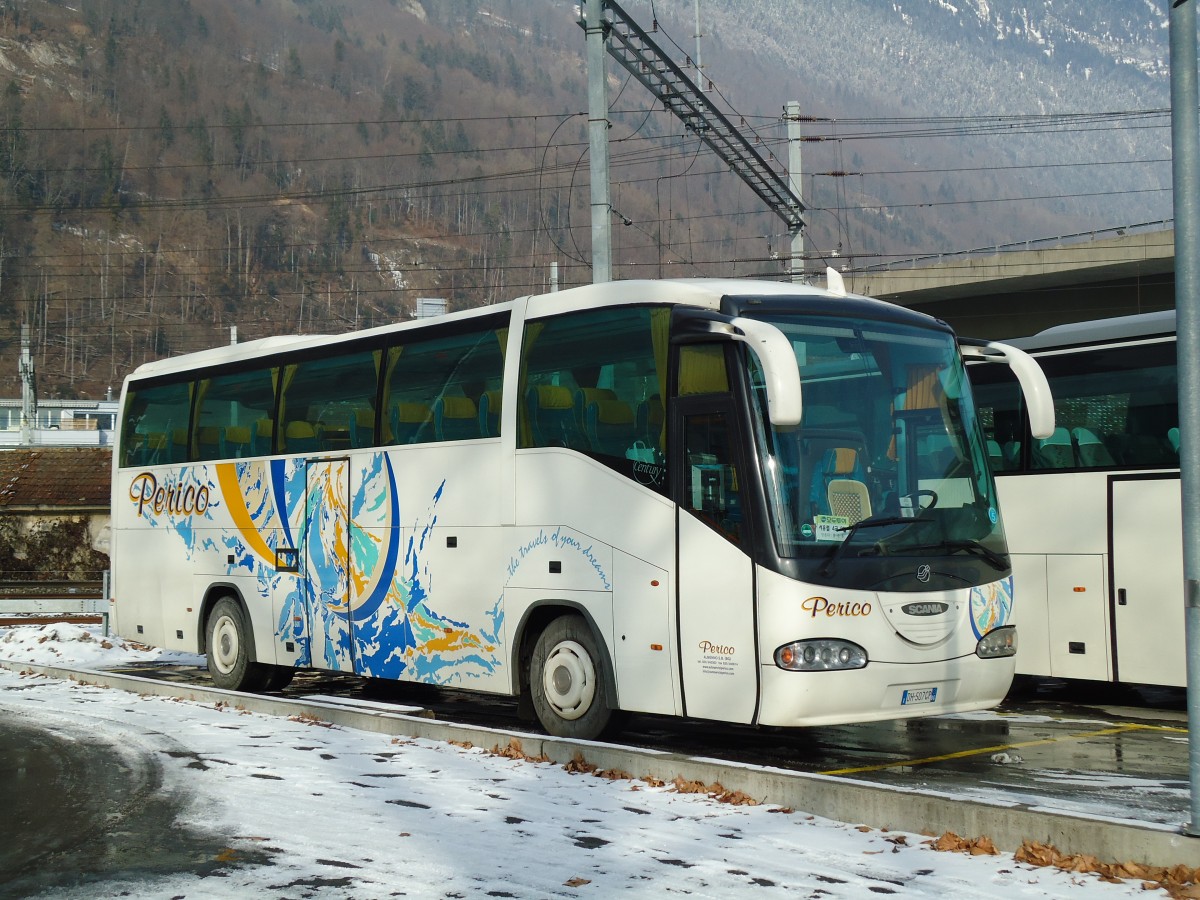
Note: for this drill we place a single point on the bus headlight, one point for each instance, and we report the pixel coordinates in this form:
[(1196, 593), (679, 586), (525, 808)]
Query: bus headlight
[(997, 643), (821, 655)]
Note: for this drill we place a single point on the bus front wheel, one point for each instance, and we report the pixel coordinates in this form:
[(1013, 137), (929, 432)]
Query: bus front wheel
[(566, 680), (230, 649)]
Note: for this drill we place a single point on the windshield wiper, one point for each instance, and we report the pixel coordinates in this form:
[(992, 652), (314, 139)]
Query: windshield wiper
[(994, 559), (869, 522)]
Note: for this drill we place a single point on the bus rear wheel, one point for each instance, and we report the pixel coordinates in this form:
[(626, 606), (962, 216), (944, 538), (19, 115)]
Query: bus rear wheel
[(566, 680), (230, 649)]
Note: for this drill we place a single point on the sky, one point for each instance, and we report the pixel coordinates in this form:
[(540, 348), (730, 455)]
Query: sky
[(295, 808)]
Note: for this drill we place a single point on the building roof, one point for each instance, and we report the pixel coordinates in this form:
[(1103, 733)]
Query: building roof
[(55, 478)]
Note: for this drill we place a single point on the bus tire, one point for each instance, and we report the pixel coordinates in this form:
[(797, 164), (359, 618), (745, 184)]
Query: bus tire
[(230, 649), (566, 680)]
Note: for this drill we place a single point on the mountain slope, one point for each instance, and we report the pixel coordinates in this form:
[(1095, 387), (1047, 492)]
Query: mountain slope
[(172, 170)]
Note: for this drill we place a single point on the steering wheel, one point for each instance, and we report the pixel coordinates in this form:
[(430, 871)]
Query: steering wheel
[(932, 495)]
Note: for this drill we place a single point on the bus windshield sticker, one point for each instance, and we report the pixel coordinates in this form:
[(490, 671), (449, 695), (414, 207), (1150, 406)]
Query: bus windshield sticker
[(831, 528)]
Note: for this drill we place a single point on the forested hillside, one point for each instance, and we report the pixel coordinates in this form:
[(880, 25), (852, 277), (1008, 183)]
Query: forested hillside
[(172, 169)]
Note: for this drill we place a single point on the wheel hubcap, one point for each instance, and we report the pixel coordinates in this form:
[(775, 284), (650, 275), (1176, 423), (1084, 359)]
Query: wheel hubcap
[(225, 645), (569, 680)]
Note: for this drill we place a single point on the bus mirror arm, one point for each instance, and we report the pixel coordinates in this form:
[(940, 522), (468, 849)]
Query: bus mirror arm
[(1032, 379), (780, 371)]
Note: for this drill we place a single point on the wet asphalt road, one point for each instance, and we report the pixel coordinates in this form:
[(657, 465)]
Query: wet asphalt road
[(79, 807)]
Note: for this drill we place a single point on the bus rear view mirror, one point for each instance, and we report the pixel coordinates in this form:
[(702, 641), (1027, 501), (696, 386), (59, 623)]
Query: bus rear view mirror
[(1029, 374), (780, 371)]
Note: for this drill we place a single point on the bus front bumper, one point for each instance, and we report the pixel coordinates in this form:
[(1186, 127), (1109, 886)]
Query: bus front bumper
[(882, 691)]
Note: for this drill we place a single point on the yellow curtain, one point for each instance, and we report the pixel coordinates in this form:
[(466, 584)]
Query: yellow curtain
[(393, 358), (925, 389), (198, 390), (533, 330), (660, 336), (702, 370)]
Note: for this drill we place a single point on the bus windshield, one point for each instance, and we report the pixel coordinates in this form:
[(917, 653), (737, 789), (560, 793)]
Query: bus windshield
[(888, 467)]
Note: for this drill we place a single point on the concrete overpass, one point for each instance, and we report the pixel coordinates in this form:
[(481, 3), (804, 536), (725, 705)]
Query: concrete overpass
[(1021, 289)]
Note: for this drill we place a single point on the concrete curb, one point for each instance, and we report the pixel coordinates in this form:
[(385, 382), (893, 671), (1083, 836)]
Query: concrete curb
[(841, 799)]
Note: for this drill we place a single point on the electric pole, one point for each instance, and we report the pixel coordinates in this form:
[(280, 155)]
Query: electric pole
[(28, 390), (597, 52), (793, 128)]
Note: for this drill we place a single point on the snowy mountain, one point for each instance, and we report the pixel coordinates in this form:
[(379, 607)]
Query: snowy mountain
[(944, 74)]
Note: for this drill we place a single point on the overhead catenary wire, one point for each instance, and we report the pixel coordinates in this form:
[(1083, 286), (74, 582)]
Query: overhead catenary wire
[(499, 183)]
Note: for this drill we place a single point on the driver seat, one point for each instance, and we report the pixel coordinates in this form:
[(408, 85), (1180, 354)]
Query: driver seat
[(850, 499), (847, 495)]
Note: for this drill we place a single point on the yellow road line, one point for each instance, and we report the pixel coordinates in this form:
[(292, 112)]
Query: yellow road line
[(962, 754)]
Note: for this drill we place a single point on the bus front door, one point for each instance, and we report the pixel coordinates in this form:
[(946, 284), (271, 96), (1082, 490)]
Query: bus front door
[(717, 650), (326, 563)]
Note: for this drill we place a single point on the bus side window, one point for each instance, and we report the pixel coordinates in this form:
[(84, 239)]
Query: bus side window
[(445, 388), (710, 480), (321, 401), (998, 406), (228, 408), (593, 382), (152, 417), (1118, 404)]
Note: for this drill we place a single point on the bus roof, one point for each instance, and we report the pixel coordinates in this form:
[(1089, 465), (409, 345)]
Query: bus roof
[(1100, 331), (701, 292)]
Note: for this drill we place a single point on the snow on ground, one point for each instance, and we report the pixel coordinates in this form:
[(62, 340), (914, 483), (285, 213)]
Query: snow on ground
[(317, 811)]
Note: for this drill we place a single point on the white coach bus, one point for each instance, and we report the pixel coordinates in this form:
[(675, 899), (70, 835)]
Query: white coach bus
[(739, 501), (1093, 511)]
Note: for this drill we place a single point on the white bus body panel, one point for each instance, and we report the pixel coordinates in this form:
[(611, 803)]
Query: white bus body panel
[(1147, 522), (716, 625), (1032, 616), (1077, 615), (1069, 609), (643, 626), (616, 546), (1059, 546)]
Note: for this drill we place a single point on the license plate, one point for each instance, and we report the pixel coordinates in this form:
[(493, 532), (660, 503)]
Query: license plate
[(919, 695)]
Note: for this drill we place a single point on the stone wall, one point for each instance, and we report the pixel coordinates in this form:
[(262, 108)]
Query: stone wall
[(54, 547)]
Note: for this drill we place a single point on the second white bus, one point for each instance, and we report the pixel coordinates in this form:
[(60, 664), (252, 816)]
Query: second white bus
[(1094, 514)]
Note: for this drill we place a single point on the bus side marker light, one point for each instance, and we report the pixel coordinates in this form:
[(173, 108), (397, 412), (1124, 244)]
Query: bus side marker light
[(997, 643), (1080, 590), (821, 655), (654, 583), (656, 647)]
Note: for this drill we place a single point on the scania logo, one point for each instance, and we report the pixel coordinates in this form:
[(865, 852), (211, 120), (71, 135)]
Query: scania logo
[(923, 573), (925, 609)]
